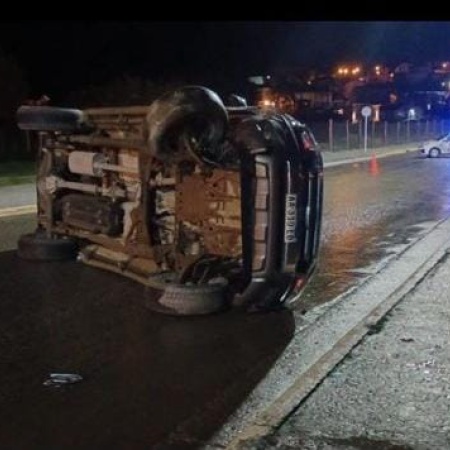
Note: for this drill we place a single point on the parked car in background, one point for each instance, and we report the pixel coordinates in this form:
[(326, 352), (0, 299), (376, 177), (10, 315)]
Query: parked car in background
[(208, 207), (434, 148)]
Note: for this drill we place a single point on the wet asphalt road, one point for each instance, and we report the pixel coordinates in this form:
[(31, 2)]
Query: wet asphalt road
[(372, 211), (152, 381), (148, 379)]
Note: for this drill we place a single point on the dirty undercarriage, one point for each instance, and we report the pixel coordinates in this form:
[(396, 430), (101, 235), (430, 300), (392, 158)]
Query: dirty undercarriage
[(182, 196)]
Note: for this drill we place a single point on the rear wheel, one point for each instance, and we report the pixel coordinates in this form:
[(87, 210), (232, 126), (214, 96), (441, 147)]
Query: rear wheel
[(38, 246), (434, 152), (189, 300), (48, 118)]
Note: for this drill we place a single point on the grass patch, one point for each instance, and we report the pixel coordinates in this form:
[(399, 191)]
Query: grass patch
[(17, 172)]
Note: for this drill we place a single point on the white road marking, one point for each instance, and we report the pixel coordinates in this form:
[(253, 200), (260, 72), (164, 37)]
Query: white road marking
[(18, 210)]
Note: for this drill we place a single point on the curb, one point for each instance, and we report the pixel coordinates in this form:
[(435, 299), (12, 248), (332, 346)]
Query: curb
[(317, 348), (367, 157), (18, 210)]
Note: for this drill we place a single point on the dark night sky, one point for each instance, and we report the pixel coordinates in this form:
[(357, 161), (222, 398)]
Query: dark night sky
[(59, 56)]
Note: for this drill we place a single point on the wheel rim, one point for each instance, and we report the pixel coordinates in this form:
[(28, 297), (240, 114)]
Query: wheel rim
[(434, 152)]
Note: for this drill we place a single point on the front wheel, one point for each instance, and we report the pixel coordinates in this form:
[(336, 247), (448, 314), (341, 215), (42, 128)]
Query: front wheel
[(434, 152), (38, 246)]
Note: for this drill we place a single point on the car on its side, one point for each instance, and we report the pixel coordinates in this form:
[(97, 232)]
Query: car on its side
[(207, 206), (433, 148)]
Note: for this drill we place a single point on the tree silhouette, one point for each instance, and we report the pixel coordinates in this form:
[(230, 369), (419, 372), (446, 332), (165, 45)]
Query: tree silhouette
[(13, 88), (126, 90)]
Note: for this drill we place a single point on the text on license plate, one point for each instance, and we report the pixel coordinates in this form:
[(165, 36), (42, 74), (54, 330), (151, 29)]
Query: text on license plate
[(291, 218)]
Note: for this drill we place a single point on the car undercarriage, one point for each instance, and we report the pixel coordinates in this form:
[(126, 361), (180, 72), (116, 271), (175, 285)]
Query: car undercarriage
[(207, 206)]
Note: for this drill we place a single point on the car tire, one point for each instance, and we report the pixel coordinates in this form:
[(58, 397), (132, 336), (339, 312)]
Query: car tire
[(191, 111), (47, 118), (191, 300), (39, 247), (434, 152)]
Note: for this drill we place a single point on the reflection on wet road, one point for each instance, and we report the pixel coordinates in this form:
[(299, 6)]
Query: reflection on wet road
[(370, 215)]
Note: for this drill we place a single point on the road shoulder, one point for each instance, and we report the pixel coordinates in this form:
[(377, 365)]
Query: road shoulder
[(316, 349)]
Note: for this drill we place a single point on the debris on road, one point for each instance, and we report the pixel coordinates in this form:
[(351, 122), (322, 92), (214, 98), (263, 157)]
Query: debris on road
[(58, 379)]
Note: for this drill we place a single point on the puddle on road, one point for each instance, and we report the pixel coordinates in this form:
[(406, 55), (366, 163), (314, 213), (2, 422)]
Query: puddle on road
[(348, 260)]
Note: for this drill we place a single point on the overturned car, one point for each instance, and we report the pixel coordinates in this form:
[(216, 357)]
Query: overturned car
[(207, 206)]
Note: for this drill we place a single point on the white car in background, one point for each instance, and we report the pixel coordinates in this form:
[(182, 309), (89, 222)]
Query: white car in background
[(434, 148)]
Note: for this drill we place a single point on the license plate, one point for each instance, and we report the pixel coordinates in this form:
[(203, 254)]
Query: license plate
[(290, 224)]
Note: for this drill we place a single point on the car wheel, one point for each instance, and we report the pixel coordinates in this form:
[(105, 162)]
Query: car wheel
[(190, 300), (39, 247), (434, 152), (192, 114), (47, 118)]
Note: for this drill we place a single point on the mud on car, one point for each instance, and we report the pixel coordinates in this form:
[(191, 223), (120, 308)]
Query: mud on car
[(208, 207)]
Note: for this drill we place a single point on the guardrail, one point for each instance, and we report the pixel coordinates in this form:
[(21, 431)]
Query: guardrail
[(334, 135)]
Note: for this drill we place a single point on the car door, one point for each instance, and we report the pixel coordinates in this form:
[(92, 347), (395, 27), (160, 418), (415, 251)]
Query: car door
[(445, 144)]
